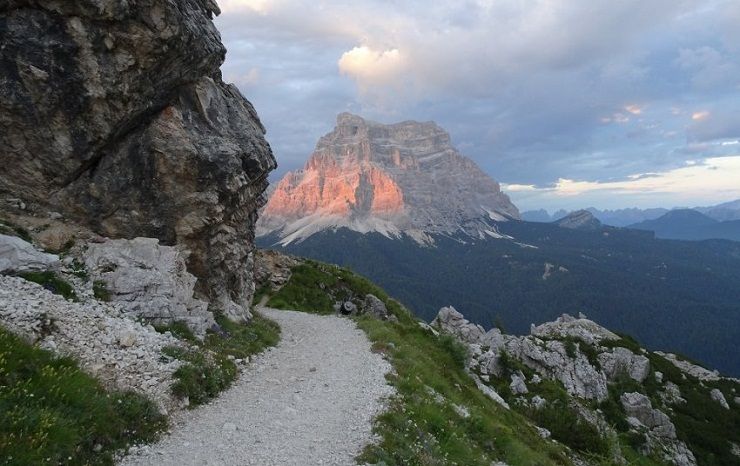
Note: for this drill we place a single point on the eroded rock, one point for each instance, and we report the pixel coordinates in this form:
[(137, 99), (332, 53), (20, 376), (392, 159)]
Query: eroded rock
[(150, 281), (18, 255)]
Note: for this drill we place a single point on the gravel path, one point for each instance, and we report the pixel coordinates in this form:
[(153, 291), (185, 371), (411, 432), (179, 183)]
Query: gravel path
[(308, 401)]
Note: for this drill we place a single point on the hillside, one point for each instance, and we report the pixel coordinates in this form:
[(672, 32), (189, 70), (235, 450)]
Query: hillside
[(688, 224), (490, 396), (673, 295)]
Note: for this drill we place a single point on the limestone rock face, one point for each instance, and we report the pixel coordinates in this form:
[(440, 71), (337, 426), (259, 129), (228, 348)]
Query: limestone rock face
[(405, 177), (149, 281), (638, 406), (551, 359), (17, 255), (568, 326), (114, 114), (451, 321), (272, 268), (623, 361)]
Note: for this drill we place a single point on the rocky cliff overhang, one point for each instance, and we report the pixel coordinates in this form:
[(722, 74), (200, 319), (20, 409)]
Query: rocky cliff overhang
[(115, 114)]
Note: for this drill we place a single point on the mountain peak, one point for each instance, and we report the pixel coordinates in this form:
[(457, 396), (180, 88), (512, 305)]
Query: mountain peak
[(401, 178), (579, 220)]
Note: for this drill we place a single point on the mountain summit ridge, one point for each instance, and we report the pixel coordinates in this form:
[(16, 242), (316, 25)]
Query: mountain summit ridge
[(402, 178)]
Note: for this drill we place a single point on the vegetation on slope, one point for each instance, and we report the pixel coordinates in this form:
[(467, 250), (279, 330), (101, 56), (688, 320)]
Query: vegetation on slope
[(438, 415), (210, 365), (656, 290), (53, 413)]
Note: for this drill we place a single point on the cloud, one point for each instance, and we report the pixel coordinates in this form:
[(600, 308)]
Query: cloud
[(533, 91), (372, 67), (681, 186)]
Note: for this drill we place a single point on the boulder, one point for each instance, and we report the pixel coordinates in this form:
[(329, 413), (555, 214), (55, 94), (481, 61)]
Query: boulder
[(149, 281), (18, 255), (115, 116), (719, 397), (638, 406), (272, 268), (518, 386), (375, 307), (452, 322), (623, 361)]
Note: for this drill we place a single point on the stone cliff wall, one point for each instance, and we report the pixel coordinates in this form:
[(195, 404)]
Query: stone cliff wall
[(114, 113)]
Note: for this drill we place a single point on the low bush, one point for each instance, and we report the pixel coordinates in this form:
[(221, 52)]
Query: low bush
[(209, 364), (52, 282)]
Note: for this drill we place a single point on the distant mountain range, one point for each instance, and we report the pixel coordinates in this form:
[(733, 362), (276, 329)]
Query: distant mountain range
[(689, 224), (626, 217), (715, 222)]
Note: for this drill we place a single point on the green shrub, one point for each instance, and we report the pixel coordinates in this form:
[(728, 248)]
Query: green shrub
[(51, 282), (53, 413), (209, 364), (100, 291)]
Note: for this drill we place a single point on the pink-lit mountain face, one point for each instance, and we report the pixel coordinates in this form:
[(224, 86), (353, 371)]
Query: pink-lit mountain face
[(393, 179)]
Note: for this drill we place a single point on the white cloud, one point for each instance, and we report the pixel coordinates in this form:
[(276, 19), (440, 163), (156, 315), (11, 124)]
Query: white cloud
[(372, 67), (714, 180)]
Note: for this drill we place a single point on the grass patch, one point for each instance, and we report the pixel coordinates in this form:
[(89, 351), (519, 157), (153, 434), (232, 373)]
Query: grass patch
[(418, 430), (52, 282), (11, 229), (100, 291), (53, 413), (209, 365)]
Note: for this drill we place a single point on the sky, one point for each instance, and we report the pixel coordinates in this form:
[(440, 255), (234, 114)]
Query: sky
[(567, 103)]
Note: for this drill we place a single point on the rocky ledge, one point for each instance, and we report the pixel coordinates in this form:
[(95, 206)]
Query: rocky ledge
[(601, 373), (114, 115)]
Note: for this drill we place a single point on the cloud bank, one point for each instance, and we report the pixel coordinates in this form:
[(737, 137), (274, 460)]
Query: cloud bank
[(535, 92)]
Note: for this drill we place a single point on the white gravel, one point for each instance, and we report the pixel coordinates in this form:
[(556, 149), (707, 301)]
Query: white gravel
[(308, 401)]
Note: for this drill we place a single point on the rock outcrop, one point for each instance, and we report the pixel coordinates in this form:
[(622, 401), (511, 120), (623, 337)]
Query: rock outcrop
[(114, 115), (579, 220), (149, 281), (17, 255), (400, 178), (122, 353)]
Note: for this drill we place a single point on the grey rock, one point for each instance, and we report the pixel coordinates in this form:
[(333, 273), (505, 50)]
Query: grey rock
[(638, 406), (518, 385), (544, 433), (489, 392), (375, 307), (623, 361), (671, 394), (115, 116), (691, 369), (450, 321), (149, 281), (568, 326), (719, 397), (538, 402), (658, 376), (551, 360), (272, 268), (18, 255)]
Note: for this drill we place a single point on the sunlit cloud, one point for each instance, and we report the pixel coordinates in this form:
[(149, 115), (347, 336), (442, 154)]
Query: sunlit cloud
[(371, 67), (232, 6), (701, 115), (689, 184), (634, 109)]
